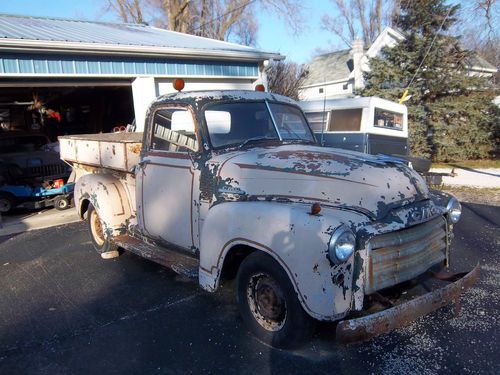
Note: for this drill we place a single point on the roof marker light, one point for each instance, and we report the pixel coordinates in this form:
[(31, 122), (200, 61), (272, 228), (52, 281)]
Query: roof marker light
[(178, 84), (260, 87), (315, 209)]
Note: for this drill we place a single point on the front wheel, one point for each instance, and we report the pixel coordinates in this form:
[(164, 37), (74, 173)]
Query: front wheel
[(269, 305), (103, 245)]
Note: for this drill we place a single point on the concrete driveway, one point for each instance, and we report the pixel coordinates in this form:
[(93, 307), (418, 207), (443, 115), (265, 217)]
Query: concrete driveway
[(64, 310), (21, 220)]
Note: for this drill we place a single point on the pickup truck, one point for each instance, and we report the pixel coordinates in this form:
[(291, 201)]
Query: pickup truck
[(232, 184)]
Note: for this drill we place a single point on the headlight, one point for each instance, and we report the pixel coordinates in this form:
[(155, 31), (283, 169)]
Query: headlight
[(454, 210), (341, 245)]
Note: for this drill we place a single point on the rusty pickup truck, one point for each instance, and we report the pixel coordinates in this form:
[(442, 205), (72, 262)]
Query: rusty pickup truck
[(232, 184)]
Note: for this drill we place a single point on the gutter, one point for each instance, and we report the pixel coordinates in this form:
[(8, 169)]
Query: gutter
[(21, 46)]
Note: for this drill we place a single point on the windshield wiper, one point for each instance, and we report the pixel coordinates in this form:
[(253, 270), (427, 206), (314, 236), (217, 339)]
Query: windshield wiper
[(254, 139)]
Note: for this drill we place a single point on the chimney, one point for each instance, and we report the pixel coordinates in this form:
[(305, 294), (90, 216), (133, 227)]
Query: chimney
[(357, 53)]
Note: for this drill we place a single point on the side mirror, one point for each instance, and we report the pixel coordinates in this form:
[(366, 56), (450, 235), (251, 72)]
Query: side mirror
[(218, 122)]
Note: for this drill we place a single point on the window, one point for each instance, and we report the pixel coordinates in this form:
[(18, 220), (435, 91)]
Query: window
[(345, 120), (321, 91), (173, 130), (316, 120), (290, 122), (387, 119)]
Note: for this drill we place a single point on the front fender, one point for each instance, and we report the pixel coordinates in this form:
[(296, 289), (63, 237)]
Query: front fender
[(297, 240), (108, 196)]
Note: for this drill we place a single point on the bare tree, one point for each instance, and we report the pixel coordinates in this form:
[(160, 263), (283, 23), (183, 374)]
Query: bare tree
[(479, 26), (218, 19), (285, 78), (129, 11), (360, 19)]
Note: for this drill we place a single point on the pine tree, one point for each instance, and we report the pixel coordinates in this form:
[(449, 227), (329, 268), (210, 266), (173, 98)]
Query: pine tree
[(451, 116)]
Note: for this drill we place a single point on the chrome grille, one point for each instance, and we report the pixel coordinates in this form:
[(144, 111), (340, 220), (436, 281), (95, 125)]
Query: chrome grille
[(402, 255)]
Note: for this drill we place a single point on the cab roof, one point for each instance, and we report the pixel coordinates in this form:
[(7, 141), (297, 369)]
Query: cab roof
[(200, 98)]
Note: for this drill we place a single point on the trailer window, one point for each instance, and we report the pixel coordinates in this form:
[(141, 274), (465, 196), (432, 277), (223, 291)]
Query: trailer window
[(317, 120), (345, 120), (173, 130), (388, 120)]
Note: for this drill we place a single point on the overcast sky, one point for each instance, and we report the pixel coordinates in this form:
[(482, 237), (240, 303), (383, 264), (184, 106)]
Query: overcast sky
[(273, 33)]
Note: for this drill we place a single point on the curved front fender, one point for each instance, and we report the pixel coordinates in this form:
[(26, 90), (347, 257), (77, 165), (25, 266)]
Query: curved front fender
[(108, 196), (297, 240)]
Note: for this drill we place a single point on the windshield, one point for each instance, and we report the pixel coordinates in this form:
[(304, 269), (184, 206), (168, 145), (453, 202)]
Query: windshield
[(241, 123)]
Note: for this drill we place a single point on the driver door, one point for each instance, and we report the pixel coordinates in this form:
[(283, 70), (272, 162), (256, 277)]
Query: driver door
[(167, 178)]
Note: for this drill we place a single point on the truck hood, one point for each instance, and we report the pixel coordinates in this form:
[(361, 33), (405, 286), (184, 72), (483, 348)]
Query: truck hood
[(365, 183)]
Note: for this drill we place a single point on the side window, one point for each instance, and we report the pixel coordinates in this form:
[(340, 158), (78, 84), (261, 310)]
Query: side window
[(388, 119), (173, 130), (345, 120)]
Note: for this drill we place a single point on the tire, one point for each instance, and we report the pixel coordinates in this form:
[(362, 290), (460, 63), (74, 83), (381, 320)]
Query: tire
[(7, 203), (269, 304), (103, 246), (61, 203)]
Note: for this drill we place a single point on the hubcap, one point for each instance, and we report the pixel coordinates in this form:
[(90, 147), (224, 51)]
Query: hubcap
[(266, 302), (96, 228)]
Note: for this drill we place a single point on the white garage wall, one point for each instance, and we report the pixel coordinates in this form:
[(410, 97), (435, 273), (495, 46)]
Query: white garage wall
[(143, 92), (165, 86)]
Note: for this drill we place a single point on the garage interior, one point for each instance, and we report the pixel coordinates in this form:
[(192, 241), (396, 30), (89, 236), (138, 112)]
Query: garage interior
[(63, 107)]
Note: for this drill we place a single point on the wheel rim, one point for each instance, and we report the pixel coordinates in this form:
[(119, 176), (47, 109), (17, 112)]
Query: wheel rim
[(5, 205), (96, 228), (62, 203), (267, 302)]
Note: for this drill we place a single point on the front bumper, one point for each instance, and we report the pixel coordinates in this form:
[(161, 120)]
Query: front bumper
[(364, 328)]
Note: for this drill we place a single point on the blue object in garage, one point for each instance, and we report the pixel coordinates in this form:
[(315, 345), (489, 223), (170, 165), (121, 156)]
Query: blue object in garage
[(35, 197)]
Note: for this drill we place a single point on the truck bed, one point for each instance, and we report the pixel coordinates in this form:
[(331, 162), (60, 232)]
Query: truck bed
[(120, 151)]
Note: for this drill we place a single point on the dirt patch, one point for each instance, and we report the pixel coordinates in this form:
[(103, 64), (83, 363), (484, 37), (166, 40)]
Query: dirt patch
[(488, 196), (471, 195)]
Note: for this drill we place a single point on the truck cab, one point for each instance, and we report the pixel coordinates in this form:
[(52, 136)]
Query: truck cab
[(233, 184)]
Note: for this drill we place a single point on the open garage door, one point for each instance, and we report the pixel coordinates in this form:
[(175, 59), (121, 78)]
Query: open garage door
[(61, 107)]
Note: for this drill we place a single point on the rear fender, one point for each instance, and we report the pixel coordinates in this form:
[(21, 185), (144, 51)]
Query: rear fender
[(109, 198)]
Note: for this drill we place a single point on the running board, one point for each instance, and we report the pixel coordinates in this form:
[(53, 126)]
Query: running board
[(180, 263)]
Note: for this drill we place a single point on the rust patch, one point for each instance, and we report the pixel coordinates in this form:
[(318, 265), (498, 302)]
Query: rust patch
[(135, 148), (362, 329)]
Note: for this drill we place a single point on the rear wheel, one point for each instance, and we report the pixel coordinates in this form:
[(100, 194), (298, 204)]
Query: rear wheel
[(269, 304), (7, 202), (61, 203), (103, 245)]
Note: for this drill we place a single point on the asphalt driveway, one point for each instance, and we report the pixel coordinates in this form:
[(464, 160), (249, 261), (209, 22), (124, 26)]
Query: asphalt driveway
[(64, 310)]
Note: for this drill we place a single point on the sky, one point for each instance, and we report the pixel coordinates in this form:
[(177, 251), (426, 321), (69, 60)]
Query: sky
[(273, 34)]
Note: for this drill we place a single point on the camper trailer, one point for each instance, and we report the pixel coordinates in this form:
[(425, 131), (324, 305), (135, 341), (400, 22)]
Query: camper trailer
[(366, 124)]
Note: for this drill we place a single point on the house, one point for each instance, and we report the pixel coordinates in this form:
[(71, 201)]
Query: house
[(62, 76), (337, 74)]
